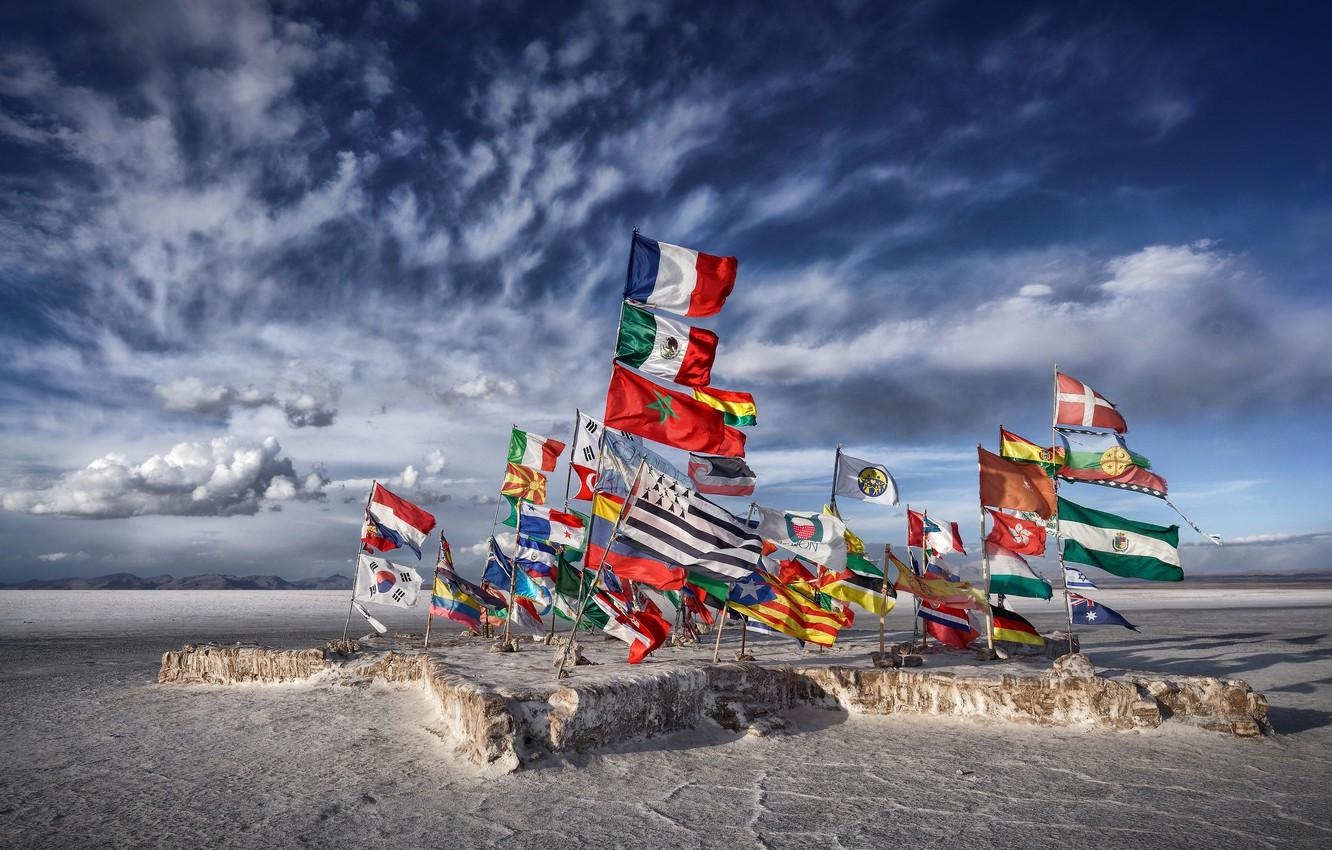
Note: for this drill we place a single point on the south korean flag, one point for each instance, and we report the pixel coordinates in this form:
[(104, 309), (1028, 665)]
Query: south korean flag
[(385, 583)]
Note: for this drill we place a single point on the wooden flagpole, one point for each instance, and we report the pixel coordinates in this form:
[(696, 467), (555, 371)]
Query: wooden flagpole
[(887, 551), (985, 572), (356, 562), (916, 627)]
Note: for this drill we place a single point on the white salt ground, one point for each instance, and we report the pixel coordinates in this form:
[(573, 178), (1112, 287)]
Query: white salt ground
[(96, 755)]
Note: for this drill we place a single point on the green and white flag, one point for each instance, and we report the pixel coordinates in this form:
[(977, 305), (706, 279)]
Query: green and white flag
[(1011, 575), (813, 536), (665, 348), (1119, 546)]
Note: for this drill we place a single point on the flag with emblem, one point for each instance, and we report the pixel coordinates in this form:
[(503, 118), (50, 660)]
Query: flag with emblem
[(864, 480), (681, 280), (524, 483), (1016, 534), (1080, 406), (639, 406), (385, 583), (665, 348), (816, 537), (1099, 458), (1014, 485), (1089, 612), (1117, 545), (737, 408), (1014, 447), (1075, 578)]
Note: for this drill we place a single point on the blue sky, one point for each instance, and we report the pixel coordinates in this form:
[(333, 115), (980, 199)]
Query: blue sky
[(254, 256)]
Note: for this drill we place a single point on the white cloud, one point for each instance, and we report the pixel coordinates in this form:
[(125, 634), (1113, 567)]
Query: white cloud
[(223, 477)]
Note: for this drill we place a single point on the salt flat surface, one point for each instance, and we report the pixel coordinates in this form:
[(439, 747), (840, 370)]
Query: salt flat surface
[(96, 755)]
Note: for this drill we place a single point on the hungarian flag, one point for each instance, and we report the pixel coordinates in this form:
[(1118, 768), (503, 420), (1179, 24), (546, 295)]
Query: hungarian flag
[(1011, 575), (681, 280), (641, 407), (737, 408), (1015, 447), (1080, 406), (1010, 484), (1015, 534), (1095, 458), (534, 451), (665, 348), (524, 483)]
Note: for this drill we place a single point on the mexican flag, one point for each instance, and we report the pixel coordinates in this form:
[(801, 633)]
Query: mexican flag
[(1121, 546), (665, 348)]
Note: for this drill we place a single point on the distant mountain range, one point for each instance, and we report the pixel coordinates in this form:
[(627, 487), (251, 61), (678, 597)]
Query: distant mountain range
[(129, 581)]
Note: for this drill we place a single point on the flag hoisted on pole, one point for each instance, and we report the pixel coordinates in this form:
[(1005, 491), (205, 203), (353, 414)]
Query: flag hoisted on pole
[(863, 480)]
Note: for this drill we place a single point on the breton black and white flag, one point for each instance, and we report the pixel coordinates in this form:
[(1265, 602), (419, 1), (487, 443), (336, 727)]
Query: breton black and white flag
[(670, 522)]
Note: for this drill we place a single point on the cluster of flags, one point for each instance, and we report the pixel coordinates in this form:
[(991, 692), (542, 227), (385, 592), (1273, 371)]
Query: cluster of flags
[(650, 545)]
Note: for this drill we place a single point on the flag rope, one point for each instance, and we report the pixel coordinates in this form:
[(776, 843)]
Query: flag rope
[(1215, 538)]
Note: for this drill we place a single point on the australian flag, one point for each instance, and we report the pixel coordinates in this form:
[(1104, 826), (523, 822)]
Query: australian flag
[(1089, 612)]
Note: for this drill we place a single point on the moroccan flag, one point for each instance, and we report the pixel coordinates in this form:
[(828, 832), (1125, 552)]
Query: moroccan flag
[(524, 483), (1080, 406), (1012, 627), (1011, 575), (1117, 545), (639, 406), (681, 280), (721, 476), (533, 451), (1089, 612), (1010, 484), (1096, 458), (1015, 534), (665, 348), (1014, 447), (737, 408)]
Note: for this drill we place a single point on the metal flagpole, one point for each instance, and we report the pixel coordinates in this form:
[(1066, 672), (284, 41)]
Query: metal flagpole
[(1054, 481), (985, 571), (596, 581), (887, 551), (832, 497), (356, 563)]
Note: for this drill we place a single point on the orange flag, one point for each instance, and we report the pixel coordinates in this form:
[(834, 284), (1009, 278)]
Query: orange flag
[(1018, 486)]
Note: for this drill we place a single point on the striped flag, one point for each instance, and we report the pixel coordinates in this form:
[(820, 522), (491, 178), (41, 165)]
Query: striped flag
[(668, 521), (451, 599), (533, 450), (1076, 578), (1117, 545), (721, 476), (738, 409), (1011, 575)]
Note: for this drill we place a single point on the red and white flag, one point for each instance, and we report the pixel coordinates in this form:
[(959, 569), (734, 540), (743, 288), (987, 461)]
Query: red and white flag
[(1080, 406), (1017, 535), (392, 521)]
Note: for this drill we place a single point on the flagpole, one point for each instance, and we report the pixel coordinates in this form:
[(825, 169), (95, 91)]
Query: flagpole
[(721, 626), (356, 563), (985, 570), (596, 580), (887, 551), (1054, 481), (439, 558), (915, 605), (832, 497)]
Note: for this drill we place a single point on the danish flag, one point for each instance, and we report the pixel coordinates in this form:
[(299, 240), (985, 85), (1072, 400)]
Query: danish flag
[(1083, 407)]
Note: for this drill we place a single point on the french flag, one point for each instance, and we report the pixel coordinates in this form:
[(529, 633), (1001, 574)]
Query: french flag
[(681, 280), (392, 521)]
